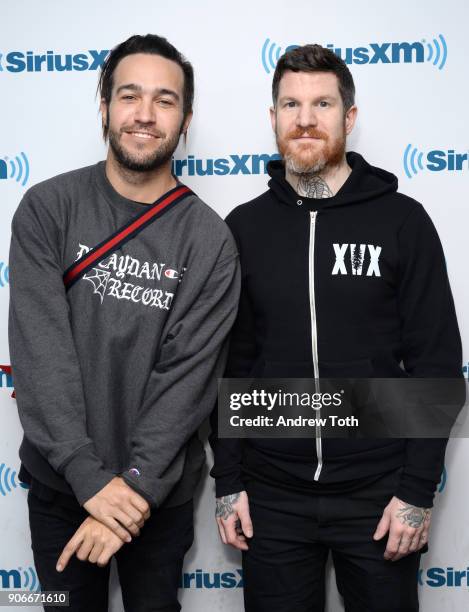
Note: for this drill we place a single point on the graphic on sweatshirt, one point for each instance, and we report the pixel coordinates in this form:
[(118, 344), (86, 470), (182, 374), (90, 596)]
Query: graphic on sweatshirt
[(109, 279), (356, 256)]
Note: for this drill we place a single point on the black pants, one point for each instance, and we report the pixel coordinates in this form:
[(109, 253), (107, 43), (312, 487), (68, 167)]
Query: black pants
[(293, 534), (149, 567)]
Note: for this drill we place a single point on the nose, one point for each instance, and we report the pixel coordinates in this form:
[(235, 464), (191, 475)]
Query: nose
[(145, 111), (306, 116)]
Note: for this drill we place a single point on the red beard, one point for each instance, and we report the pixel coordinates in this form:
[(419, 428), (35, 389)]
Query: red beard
[(307, 157)]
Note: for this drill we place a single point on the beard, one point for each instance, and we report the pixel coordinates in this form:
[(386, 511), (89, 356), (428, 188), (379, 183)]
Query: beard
[(306, 158), (143, 161)]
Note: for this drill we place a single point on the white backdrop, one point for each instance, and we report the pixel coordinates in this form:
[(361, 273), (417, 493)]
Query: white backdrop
[(409, 62)]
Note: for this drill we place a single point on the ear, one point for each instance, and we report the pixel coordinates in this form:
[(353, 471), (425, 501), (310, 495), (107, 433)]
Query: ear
[(273, 118), (186, 123), (103, 109), (350, 118)]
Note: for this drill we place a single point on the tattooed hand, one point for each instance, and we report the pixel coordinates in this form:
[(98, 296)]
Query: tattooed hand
[(233, 519), (408, 528)]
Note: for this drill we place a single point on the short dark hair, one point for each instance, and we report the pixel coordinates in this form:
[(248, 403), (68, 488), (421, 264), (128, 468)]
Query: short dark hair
[(151, 44), (315, 58)]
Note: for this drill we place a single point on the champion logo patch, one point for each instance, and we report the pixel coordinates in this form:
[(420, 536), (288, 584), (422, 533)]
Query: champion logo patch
[(171, 273)]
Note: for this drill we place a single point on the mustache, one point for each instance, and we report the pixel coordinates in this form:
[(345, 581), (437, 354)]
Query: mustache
[(139, 128), (311, 132)]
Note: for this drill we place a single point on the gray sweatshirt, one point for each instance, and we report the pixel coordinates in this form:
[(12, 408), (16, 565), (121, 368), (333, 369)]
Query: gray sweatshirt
[(117, 375)]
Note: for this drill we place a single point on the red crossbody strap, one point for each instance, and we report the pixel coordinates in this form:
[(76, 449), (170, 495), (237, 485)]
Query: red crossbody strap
[(124, 234)]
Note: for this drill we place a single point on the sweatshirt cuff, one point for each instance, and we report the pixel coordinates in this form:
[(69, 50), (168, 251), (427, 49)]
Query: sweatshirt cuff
[(416, 491), (85, 473), (131, 479), (229, 485)]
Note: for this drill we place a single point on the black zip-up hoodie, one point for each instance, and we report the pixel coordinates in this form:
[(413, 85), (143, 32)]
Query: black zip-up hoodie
[(353, 285)]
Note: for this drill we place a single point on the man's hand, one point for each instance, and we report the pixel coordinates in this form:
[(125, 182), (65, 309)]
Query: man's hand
[(93, 542), (117, 506), (408, 528), (234, 520)]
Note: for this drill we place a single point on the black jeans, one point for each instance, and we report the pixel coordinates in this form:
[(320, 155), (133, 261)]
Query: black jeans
[(293, 533), (149, 567)]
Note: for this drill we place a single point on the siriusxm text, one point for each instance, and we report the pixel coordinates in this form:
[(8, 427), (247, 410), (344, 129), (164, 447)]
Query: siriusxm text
[(20, 61), (221, 166)]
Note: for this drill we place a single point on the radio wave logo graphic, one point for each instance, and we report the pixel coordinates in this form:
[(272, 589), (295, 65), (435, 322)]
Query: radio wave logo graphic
[(19, 168), (437, 51), (4, 274), (444, 478), (270, 54), (412, 161), (30, 580), (9, 480)]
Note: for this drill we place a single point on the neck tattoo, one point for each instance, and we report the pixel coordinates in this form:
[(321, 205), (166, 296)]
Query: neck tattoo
[(313, 186)]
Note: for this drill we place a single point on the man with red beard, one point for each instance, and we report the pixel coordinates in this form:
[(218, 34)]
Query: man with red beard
[(361, 290)]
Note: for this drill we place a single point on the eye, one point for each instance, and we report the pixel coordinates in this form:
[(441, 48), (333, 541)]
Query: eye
[(128, 97), (165, 102), (324, 103), (290, 104)]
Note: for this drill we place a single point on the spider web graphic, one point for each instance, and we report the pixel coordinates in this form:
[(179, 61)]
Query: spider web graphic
[(99, 279)]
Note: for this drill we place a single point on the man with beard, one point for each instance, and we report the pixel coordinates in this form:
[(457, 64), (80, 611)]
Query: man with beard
[(360, 287), (115, 359)]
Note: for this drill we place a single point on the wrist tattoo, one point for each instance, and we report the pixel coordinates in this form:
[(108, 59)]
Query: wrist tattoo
[(313, 186), (224, 507), (413, 515)]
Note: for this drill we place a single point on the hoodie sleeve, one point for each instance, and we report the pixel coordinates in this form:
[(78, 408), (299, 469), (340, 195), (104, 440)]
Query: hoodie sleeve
[(227, 452), (182, 387), (46, 371), (431, 342)]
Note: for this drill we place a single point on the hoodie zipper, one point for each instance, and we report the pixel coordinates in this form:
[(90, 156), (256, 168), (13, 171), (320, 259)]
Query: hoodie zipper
[(314, 333)]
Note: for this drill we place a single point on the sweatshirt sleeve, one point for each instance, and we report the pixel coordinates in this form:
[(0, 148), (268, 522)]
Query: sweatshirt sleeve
[(46, 371), (182, 386), (431, 342)]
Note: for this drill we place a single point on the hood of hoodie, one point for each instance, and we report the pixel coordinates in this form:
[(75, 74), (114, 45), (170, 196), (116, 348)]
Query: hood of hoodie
[(365, 182)]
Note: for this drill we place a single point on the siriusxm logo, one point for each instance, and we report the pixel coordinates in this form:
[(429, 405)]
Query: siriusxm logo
[(6, 379), (436, 160), (212, 580), (221, 166), (18, 166), (9, 480), (19, 579), (20, 61), (443, 576), (435, 51)]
